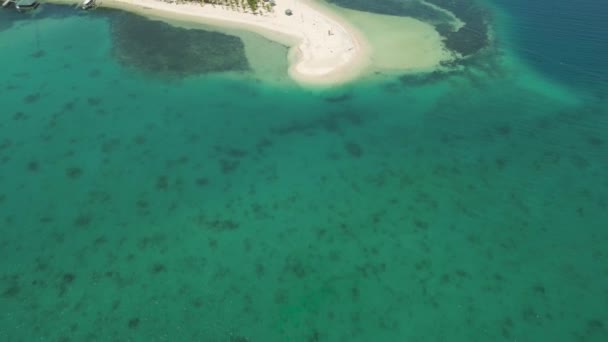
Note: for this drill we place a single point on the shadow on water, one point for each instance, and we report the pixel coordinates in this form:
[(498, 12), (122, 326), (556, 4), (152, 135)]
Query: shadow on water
[(158, 47), (468, 40)]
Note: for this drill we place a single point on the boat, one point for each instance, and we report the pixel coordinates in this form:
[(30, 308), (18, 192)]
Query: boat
[(87, 4), (8, 3), (26, 5)]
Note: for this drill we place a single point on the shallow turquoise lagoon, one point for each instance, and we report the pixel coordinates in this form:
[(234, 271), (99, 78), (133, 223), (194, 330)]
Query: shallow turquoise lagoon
[(163, 199)]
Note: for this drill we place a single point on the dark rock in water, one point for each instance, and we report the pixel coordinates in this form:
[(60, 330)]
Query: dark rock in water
[(157, 47)]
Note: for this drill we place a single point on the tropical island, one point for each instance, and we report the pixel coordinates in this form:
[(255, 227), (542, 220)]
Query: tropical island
[(253, 6), (327, 46)]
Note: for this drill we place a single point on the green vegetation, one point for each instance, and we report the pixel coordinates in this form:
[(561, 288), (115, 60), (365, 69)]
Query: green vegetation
[(253, 6)]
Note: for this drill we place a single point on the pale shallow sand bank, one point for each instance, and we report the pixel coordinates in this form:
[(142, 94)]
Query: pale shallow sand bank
[(325, 49), (328, 45), (399, 44)]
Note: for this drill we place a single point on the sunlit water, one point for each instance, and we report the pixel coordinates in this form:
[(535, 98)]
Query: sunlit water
[(147, 199)]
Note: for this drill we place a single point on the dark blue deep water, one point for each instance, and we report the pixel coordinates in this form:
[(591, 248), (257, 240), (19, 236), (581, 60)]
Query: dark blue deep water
[(566, 40)]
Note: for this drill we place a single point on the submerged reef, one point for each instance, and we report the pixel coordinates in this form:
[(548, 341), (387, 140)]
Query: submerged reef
[(153, 46), (467, 40), (161, 48), (474, 35)]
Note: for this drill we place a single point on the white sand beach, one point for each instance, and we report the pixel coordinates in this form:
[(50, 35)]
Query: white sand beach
[(325, 48)]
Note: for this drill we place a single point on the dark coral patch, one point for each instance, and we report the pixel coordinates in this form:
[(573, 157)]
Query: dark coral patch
[(133, 323), (74, 172), (94, 101), (157, 47), (354, 149), (162, 183), (223, 225), (38, 54), (31, 98), (33, 166), (11, 291), (68, 278), (228, 166), (202, 181), (474, 35), (83, 220), (94, 73), (158, 268), (19, 116)]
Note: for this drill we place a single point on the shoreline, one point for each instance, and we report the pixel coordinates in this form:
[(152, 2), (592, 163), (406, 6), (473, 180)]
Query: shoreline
[(327, 46), (323, 48)]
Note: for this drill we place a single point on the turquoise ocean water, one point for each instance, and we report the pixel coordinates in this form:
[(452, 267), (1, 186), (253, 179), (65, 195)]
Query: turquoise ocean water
[(149, 195)]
